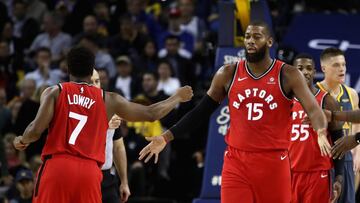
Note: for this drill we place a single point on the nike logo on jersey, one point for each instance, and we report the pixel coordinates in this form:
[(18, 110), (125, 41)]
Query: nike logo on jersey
[(241, 79), (323, 175), (283, 157)]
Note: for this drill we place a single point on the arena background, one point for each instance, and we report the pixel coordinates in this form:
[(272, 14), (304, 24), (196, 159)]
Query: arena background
[(194, 170)]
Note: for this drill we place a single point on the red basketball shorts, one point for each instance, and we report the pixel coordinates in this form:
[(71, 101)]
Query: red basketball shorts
[(250, 177), (310, 187), (67, 178)]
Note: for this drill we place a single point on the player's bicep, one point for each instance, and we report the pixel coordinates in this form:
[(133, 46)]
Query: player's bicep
[(46, 109), (221, 80), (129, 111)]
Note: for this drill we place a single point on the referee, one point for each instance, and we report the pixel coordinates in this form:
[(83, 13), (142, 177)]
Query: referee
[(114, 151)]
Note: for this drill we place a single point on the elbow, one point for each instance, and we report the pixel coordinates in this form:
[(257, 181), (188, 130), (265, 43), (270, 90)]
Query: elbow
[(152, 115)]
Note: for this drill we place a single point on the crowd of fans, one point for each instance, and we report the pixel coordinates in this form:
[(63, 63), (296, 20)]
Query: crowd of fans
[(145, 50)]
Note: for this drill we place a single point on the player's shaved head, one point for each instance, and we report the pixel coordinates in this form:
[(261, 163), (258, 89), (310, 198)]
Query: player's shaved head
[(259, 23), (81, 62)]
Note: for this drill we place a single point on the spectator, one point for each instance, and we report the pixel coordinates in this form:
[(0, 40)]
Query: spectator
[(25, 27), (102, 14), (103, 60), (182, 66), (124, 82), (36, 10), (147, 24), (5, 114), (8, 70), (15, 43), (129, 41), (90, 27), (14, 157), (150, 82), (149, 58), (43, 75), (25, 185), (53, 38), (167, 83), (185, 38), (189, 22)]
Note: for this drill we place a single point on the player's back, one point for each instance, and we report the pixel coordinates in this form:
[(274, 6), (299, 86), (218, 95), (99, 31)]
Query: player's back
[(79, 123), (304, 150)]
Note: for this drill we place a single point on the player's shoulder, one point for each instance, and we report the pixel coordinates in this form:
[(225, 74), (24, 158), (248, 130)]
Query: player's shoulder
[(227, 68), (351, 90)]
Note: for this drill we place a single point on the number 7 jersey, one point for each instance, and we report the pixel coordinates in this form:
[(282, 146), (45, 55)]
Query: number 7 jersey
[(259, 110), (304, 150), (79, 123)]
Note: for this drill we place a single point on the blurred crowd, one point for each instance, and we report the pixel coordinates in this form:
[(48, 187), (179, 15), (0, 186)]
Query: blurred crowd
[(145, 50)]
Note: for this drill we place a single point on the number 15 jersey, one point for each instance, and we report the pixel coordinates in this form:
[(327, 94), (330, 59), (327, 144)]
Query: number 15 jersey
[(79, 123), (259, 110)]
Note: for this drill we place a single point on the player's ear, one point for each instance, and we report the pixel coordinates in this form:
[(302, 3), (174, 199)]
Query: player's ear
[(323, 69), (270, 42)]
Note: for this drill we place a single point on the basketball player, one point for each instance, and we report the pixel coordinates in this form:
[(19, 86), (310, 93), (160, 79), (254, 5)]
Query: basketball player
[(77, 115), (260, 91), (333, 65), (114, 148), (310, 171)]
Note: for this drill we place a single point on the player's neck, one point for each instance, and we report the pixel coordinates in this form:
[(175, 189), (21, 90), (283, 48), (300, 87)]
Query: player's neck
[(81, 79), (332, 87), (261, 66)]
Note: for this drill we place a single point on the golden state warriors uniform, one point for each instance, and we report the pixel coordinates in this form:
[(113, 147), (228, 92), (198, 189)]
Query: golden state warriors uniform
[(346, 104)]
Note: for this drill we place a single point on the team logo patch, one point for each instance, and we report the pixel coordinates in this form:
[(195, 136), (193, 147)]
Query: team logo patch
[(271, 81)]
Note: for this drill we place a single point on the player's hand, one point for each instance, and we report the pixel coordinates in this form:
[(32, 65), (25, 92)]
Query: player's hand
[(343, 145), (184, 93), (124, 192), (337, 187), (18, 144), (356, 160), (155, 146), (323, 142), (115, 122)]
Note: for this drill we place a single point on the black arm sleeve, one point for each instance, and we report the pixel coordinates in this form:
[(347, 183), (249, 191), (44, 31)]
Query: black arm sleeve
[(338, 163), (117, 134), (202, 111)]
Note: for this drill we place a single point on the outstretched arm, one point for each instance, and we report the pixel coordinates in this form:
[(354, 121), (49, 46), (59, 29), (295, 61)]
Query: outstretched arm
[(136, 112), (295, 83), (203, 110), (42, 119)]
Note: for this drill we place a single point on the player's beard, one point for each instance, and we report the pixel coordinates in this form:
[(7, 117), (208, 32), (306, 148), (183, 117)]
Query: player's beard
[(256, 57)]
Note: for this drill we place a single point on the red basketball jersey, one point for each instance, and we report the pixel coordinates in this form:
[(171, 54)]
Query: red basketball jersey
[(259, 110), (79, 123), (304, 150)]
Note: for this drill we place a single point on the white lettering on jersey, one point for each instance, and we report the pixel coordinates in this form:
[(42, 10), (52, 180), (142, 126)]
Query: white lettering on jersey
[(255, 92), (80, 100)]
